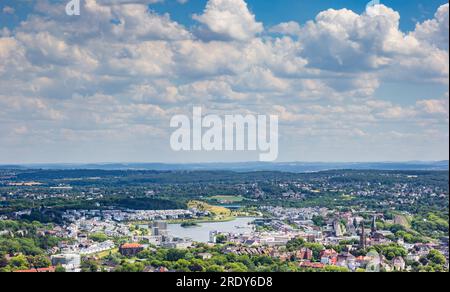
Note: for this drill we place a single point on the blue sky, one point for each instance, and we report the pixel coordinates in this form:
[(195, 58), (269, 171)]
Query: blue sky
[(348, 84), (274, 12), (269, 12)]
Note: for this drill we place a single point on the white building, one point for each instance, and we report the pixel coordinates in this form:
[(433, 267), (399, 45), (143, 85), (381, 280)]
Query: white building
[(70, 262)]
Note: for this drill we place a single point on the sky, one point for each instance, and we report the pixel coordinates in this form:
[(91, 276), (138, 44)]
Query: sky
[(348, 82)]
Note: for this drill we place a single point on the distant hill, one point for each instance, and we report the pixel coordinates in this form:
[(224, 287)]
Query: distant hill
[(294, 167)]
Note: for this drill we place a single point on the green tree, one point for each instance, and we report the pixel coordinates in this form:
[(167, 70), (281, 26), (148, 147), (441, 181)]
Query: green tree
[(295, 244), (3, 261), (215, 269), (174, 255), (89, 266), (335, 269), (19, 262), (436, 257), (98, 237), (236, 267), (319, 221), (390, 251), (130, 268), (41, 261), (316, 249), (182, 265), (197, 265), (221, 239)]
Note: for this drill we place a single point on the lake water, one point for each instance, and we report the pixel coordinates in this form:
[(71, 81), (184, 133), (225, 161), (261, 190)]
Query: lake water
[(201, 232)]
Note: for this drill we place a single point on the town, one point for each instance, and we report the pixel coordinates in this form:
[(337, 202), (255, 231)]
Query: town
[(77, 222)]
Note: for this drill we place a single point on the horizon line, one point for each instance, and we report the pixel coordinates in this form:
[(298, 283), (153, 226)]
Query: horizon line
[(220, 162)]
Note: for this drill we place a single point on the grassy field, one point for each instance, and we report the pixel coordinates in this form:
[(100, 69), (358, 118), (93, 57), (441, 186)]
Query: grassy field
[(215, 210), (347, 197), (106, 253), (228, 199), (403, 220)]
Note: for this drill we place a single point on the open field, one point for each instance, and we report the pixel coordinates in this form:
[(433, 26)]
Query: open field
[(403, 220), (227, 199), (215, 210), (106, 253)]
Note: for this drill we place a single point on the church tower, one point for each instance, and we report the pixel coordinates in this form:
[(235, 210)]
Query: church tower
[(374, 225), (362, 237)]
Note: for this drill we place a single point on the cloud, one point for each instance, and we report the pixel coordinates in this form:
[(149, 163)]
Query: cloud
[(121, 71), (8, 10), (229, 19), (121, 2), (343, 41), (435, 31), (434, 106), (287, 28), (358, 41)]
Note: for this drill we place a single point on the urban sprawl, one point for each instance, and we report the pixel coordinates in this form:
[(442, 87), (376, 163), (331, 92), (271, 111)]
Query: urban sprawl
[(336, 221)]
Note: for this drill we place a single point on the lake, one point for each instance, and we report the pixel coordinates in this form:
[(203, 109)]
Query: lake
[(201, 232)]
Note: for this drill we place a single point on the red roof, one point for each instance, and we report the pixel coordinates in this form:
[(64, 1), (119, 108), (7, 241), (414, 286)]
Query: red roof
[(162, 270), (131, 245), (312, 265), (40, 270), (362, 258), (328, 253)]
